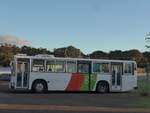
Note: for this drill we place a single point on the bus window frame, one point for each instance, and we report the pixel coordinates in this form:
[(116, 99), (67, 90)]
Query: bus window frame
[(33, 66), (101, 72), (132, 69), (64, 65), (67, 65), (46, 65), (89, 63)]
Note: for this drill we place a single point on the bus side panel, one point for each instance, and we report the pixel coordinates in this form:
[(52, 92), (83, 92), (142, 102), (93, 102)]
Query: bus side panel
[(85, 83), (76, 82), (81, 82), (89, 82), (55, 81), (129, 82), (68, 81), (93, 82)]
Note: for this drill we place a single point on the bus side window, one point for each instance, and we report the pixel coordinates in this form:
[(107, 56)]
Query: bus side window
[(60, 66), (20, 67), (105, 67), (101, 68), (128, 68), (38, 65), (96, 67), (50, 66), (83, 68), (71, 67)]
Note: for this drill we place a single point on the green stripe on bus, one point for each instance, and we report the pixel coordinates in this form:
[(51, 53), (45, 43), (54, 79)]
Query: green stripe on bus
[(93, 81), (85, 84)]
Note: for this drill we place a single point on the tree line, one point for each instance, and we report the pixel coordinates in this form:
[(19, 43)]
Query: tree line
[(8, 51)]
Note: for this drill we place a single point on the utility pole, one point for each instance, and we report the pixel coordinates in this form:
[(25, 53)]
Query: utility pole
[(147, 39)]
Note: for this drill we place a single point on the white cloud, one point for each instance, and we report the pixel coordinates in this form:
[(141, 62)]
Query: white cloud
[(13, 40)]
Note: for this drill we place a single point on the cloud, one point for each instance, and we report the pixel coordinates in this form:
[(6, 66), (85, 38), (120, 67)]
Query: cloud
[(13, 40)]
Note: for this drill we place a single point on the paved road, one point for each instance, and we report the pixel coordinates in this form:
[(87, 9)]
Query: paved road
[(68, 102), (14, 111)]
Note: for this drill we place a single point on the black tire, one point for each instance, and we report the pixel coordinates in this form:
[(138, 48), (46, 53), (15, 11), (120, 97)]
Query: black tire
[(102, 87), (39, 86)]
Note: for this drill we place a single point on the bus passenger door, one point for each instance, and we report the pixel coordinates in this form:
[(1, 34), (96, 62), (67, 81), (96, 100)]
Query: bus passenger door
[(84, 70), (22, 74), (116, 76)]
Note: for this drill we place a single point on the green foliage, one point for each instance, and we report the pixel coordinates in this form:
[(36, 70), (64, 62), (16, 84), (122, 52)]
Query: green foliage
[(144, 87), (34, 51), (141, 102), (7, 52), (144, 102), (99, 55), (117, 54), (69, 51)]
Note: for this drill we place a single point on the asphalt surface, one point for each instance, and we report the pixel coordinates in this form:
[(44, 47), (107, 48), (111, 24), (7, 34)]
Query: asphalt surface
[(76, 102), (14, 111)]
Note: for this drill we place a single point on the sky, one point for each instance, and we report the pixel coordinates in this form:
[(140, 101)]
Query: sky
[(86, 24)]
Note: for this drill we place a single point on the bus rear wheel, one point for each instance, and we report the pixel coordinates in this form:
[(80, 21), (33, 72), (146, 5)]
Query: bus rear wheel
[(102, 87), (39, 86)]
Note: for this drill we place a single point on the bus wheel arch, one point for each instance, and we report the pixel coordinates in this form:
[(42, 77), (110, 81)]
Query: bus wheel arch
[(39, 86), (102, 86)]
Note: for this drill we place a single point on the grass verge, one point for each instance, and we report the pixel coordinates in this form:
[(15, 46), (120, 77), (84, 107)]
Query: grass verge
[(144, 91), (142, 102), (144, 87)]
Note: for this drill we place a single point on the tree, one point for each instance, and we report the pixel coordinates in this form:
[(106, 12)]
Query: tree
[(6, 54), (134, 55), (117, 54), (98, 55), (69, 51), (34, 51)]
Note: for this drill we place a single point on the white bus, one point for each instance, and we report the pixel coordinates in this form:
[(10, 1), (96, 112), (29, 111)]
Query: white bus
[(48, 73)]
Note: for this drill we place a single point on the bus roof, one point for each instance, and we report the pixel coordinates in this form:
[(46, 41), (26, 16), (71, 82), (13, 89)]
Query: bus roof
[(70, 59)]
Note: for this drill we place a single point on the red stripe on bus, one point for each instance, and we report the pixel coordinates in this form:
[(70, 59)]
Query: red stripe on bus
[(80, 80), (76, 82)]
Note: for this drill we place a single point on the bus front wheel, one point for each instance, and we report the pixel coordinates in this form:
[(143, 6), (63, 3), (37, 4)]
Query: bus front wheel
[(102, 87), (39, 86)]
